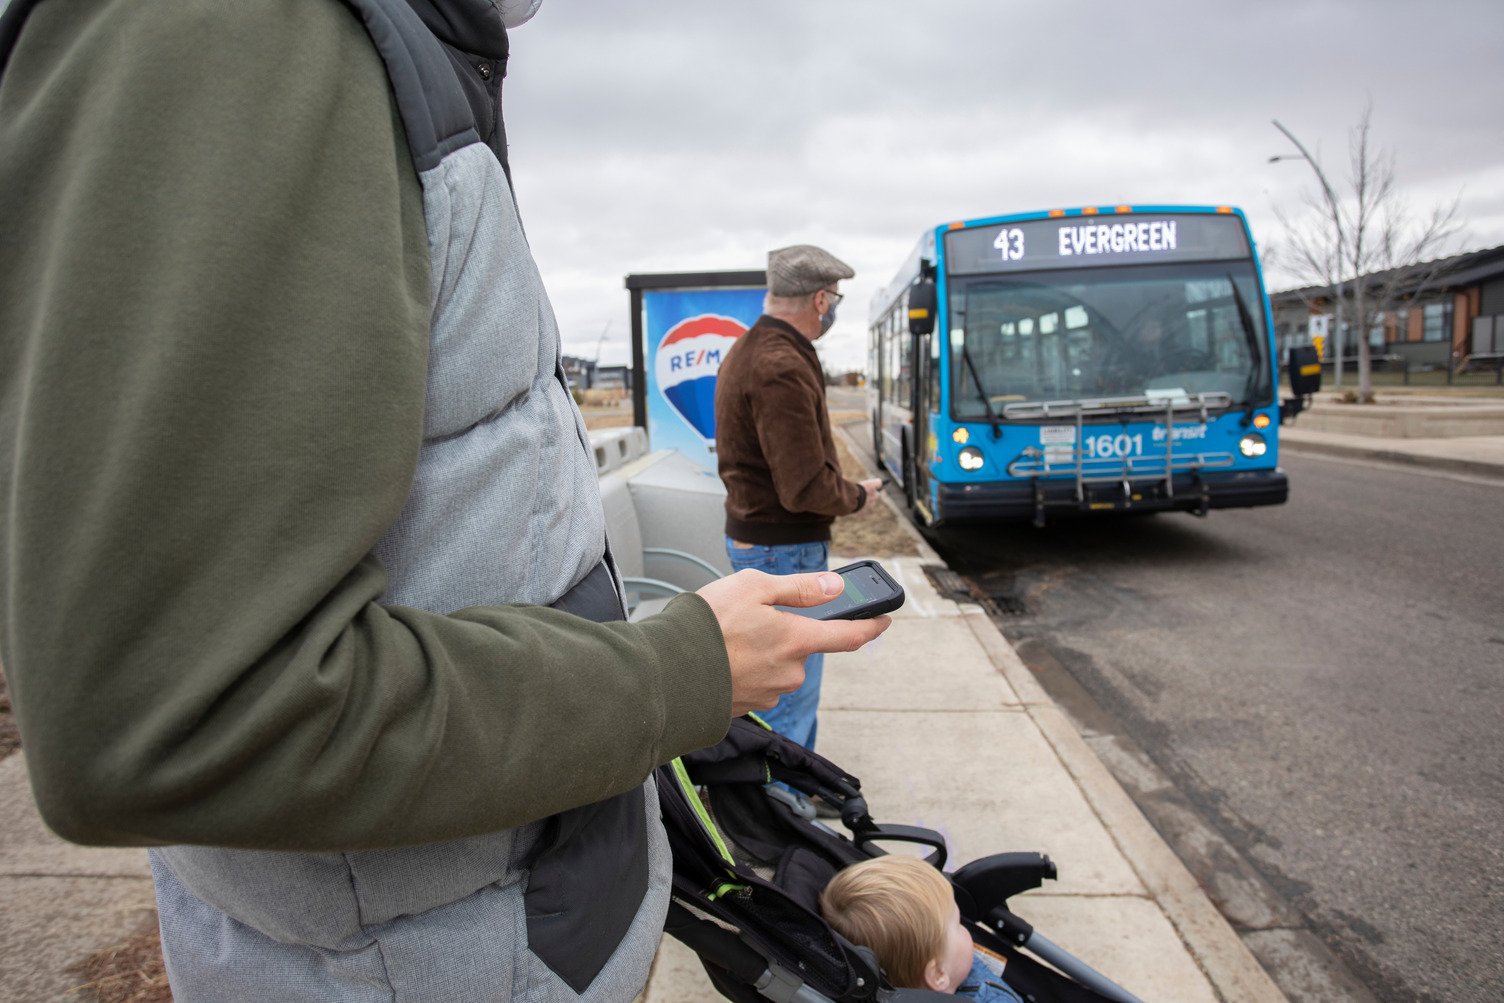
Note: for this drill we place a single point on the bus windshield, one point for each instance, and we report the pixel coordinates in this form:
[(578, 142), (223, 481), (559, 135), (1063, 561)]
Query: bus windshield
[(1160, 331)]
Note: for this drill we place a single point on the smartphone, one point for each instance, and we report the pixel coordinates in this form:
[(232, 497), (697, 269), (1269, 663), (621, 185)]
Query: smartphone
[(870, 591)]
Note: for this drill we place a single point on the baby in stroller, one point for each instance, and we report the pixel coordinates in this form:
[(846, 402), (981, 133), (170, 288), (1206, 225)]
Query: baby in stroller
[(905, 911), (750, 871)]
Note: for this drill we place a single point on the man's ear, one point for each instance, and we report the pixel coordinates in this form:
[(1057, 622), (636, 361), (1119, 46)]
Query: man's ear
[(935, 978)]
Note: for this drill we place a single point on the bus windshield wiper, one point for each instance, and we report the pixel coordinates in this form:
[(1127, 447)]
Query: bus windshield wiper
[(1255, 359), (997, 429)]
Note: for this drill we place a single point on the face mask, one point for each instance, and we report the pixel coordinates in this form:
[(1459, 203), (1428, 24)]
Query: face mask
[(515, 13), (827, 318)]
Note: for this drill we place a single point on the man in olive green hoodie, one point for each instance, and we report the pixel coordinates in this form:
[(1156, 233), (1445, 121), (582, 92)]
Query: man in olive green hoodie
[(300, 542)]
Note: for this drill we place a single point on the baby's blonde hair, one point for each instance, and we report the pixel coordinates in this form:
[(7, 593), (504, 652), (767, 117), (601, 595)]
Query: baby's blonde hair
[(899, 907)]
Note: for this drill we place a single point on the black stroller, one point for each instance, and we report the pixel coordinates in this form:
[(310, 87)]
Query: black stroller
[(749, 868)]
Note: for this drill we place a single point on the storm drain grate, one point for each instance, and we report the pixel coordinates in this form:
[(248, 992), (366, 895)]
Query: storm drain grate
[(958, 588), (949, 584)]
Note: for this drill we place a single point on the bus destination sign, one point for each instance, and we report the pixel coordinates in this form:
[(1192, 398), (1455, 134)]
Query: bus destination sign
[(1090, 241)]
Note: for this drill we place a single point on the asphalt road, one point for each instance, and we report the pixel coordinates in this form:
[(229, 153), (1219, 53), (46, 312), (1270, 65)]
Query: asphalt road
[(1323, 685)]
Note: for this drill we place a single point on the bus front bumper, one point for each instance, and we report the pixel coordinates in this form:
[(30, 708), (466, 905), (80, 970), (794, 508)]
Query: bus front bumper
[(1035, 498)]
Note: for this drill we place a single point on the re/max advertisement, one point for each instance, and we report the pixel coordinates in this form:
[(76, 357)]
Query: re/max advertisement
[(686, 334)]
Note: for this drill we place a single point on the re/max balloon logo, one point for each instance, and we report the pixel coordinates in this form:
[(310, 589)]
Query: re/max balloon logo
[(686, 363)]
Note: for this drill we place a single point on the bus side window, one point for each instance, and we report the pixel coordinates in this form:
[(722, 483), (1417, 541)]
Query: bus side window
[(889, 327), (904, 385), (933, 393)]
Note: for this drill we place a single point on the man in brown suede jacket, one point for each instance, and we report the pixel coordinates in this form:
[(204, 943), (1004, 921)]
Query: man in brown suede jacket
[(776, 455)]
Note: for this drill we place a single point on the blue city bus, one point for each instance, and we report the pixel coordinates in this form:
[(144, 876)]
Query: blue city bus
[(1093, 360)]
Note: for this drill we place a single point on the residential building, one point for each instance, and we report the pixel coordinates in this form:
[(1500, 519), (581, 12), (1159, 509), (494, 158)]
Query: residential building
[(1447, 312)]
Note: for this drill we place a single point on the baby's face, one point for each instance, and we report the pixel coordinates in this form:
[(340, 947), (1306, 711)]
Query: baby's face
[(956, 963)]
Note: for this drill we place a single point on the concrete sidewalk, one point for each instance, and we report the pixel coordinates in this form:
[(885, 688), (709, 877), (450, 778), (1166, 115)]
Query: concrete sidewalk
[(61, 902), (948, 729)]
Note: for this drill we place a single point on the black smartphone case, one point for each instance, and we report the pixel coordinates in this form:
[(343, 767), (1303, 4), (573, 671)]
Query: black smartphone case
[(880, 606)]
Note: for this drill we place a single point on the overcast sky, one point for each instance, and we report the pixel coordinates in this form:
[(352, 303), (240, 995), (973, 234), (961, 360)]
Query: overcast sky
[(687, 136)]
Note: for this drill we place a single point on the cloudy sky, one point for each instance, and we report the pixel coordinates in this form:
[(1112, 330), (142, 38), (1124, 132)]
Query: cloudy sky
[(687, 136)]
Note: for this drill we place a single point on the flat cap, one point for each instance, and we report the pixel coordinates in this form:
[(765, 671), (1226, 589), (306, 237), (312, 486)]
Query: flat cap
[(802, 269)]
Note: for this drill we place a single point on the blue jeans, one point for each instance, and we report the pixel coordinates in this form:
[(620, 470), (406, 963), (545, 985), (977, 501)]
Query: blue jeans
[(794, 715)]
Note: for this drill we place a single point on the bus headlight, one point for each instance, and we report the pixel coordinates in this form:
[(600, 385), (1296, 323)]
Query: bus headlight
[(1252, 445), (971, 458)]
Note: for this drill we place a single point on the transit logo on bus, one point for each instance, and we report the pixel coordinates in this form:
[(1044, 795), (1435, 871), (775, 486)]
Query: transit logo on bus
[(686, 363)]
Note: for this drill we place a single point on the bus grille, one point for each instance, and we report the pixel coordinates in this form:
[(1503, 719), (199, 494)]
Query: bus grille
[(1033, 463), (1036, 463)]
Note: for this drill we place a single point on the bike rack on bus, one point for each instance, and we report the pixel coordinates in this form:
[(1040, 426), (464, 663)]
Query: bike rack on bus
[(1036, 463)]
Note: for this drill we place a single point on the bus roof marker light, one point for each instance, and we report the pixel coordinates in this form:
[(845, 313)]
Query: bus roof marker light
[(961, 435), (1090, 210), (1224, 208), (1124, 208), (1056, 213)]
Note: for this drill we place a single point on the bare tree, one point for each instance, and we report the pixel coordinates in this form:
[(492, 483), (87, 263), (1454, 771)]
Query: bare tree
[(1370, 233)]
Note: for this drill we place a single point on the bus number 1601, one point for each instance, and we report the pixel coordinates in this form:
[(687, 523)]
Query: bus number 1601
[(1110, 447)]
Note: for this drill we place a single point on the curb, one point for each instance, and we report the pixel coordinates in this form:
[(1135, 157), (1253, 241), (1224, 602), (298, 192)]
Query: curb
[(926, 552), (1451, 464), (1229, 965), (1231, 968)]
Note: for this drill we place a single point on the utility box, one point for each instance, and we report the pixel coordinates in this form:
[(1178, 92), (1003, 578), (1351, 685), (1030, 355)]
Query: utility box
[(680, 506), (660, 506)]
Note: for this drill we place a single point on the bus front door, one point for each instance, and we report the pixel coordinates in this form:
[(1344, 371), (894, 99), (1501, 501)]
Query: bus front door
[(921, 449)]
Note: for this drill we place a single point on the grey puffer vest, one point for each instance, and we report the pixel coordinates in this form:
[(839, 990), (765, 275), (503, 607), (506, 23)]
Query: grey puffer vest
[(568, 908)]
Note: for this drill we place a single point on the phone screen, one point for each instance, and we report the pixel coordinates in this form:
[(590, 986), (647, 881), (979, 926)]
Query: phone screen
[(865, 585)]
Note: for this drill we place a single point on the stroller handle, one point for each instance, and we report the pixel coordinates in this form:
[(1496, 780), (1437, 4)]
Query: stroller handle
[(902, 834)]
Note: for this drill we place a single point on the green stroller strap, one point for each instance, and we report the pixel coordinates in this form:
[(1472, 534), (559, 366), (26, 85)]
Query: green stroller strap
[(688, 787)]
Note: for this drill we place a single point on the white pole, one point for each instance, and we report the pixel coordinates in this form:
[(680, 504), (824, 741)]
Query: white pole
[(1331, 201)]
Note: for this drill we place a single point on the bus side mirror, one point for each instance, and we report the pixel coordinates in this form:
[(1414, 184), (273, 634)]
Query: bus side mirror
[(1304, 368), (922, 308), (1305, 371)]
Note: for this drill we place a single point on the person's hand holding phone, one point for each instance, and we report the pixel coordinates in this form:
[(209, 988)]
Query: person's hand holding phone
[(874, 486), (766, 646), (870, 591)]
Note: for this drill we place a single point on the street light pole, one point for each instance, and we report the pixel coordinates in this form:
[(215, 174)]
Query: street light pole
[(1331, 201)]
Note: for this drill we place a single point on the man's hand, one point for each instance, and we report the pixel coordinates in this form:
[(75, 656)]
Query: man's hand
[(874, 486), (766, 646)]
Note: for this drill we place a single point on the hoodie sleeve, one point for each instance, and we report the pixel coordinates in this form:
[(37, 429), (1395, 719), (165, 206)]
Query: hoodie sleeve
[(214, 299)]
